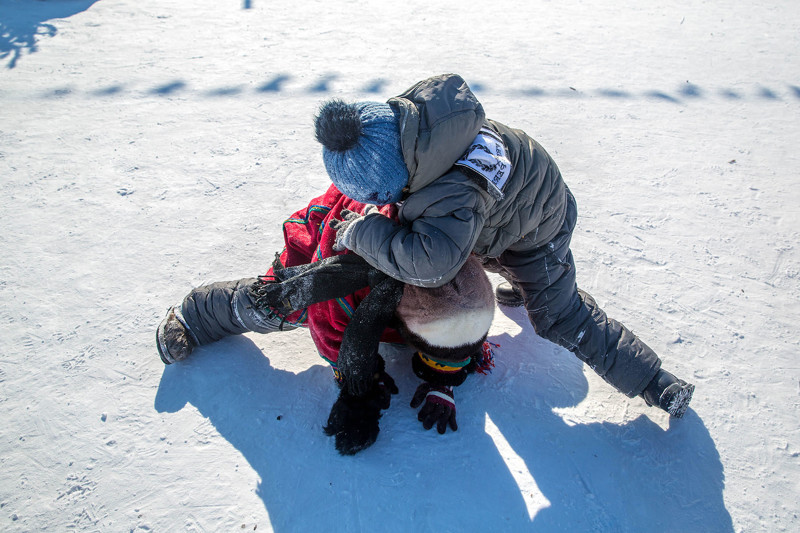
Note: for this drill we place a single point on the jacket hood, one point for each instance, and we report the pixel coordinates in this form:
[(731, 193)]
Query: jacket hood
[(439, 118)]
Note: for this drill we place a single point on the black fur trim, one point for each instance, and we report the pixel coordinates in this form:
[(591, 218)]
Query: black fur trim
[(277, 265), (449, 353), (338, 125)]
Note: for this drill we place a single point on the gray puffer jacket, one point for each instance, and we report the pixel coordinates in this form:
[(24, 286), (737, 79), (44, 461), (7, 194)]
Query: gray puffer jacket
[(449, 210)]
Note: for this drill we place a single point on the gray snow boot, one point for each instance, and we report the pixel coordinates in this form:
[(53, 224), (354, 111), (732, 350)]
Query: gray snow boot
[(173, 340), (508, 294), (669, 393)]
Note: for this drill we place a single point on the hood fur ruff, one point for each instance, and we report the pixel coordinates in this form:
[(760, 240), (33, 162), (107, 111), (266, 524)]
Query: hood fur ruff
[(456, 314)]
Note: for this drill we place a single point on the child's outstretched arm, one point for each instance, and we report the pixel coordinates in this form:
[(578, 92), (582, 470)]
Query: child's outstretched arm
[(295, 288), (359, 361)]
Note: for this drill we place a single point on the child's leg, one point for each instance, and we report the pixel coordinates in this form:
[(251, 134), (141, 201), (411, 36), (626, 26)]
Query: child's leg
[(214, 311), (571, 318), (209, 313)]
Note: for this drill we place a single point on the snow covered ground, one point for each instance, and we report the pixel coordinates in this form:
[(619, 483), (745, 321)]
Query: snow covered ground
[(150, 146)]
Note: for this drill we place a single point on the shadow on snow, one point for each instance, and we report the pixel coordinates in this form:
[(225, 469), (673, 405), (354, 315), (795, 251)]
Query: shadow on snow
[(597, 476), (282, 83), (23, 23)]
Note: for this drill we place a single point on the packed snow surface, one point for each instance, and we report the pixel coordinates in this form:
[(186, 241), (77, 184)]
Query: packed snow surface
[(147, 147)]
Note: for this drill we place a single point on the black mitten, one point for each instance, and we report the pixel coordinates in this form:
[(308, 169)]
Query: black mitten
[(354, 422), (439, 408), (354, 419)]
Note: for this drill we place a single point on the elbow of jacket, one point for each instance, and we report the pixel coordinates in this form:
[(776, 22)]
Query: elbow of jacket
[(432, 282)]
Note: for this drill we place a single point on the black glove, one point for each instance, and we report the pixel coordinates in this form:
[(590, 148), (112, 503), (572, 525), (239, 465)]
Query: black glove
[(439, 408), (354, 422), (386, 387)]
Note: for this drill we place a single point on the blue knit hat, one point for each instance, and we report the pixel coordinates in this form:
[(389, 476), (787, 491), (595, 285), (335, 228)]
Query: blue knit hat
[(361, 150)]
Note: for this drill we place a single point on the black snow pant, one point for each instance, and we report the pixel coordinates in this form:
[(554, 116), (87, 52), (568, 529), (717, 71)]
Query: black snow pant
[(569, 317), (225, 308)]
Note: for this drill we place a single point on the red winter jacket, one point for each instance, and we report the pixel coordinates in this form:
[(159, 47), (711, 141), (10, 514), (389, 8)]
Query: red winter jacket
[(308, 238)]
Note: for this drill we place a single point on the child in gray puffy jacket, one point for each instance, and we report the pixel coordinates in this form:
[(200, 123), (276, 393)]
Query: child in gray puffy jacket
[(467, 184)]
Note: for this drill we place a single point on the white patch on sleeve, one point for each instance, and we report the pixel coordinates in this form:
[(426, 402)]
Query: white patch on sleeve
[(487, 157)]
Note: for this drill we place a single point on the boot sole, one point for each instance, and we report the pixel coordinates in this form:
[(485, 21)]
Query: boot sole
[(510, 303), (161, 341), (680, 403), (161, 336)]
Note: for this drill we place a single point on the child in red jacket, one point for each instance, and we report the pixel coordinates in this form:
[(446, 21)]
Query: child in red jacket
[(348, 307)]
